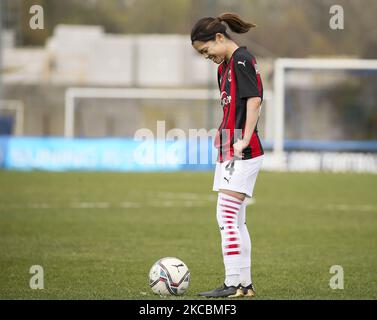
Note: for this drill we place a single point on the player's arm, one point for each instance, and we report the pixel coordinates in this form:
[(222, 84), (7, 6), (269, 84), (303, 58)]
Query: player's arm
[(253, 106), (248, 89), (252, 114)]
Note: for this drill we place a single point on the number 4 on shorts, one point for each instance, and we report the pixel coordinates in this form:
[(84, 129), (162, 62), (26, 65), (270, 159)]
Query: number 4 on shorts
[(230, 167)]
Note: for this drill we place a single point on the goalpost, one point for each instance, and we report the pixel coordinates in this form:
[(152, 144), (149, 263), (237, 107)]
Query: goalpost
[(274, 102), (72, 94), (284, 64)]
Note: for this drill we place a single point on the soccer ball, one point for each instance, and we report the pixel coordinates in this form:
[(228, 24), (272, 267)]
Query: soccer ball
[(169, 276)]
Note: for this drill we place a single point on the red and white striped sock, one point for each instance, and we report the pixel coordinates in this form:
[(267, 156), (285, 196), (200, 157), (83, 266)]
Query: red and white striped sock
[(228, 208)]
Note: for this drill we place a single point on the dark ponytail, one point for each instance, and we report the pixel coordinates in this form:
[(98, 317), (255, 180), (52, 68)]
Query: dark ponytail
[(235, 23), (206, 28)]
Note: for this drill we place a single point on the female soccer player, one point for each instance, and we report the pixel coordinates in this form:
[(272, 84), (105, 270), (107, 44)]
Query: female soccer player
[(240, 153)]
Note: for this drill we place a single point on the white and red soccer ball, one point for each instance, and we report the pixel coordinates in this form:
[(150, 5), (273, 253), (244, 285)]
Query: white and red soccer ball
[(169, 276)]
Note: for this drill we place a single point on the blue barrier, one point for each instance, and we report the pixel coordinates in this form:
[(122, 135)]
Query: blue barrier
[(106, 154), (118, 154), (335, 146), (321, 145)]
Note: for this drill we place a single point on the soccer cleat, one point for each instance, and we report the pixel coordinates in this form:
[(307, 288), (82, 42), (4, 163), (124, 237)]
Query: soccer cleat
[(249, 291), (223, 292)]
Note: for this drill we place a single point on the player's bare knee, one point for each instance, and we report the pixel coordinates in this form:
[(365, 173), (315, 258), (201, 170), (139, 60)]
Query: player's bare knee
[(238, 195)]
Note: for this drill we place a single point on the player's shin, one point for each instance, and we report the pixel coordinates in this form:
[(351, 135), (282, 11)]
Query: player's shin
[(228, 208), (245, 261)]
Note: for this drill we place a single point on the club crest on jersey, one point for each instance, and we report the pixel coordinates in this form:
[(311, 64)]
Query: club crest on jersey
[(229, 76), (225, 99)]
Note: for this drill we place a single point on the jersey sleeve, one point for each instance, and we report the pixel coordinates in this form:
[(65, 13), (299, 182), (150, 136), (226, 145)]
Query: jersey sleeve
[(247, 80)]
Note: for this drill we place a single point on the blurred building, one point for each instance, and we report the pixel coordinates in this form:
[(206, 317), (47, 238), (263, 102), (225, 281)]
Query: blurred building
[(86, 56)]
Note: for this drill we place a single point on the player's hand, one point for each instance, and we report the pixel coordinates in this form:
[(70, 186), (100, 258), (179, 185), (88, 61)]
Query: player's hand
[(238, 148)]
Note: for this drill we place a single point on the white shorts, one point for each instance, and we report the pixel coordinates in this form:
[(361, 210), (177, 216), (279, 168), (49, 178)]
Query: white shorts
[(238, 175)]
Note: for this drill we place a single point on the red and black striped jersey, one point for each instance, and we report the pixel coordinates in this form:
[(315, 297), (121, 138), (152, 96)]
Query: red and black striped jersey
[(238, 80)]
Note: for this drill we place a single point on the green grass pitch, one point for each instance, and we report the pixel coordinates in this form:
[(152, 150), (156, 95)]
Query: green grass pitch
[(96, 235)]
